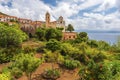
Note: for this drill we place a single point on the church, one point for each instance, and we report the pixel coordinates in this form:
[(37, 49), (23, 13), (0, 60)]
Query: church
[(30, 26), (60, 23)]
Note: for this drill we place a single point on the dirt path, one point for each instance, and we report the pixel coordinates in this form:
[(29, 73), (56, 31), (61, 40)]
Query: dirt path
[(3, 66)]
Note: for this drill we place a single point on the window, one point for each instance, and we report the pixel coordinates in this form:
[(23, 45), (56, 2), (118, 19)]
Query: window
[(69, 36), (73, 36)]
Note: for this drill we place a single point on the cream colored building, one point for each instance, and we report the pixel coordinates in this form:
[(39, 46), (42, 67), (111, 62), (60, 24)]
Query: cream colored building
[(60, 23)]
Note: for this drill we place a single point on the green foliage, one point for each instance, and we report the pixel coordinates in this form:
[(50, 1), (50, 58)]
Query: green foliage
[(9, 36), (60, 28), (6, 54), (71, 64), (82, 34), (82, 47), (83, 58), (99, 57), (117, 56), (102, 45), (51, 74), (53, 34), (16, 72), (70, 28), (102, 71), (26, 63), (53, 57), (28, 49), (5, 76), (92, 43), (82, 37), (68, 49), (40, 32), (53, 45)]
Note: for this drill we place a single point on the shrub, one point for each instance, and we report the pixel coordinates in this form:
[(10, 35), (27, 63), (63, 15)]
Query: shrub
[(102, 45), (28, 49), (9, 36), (53, 57), (40, 34), (26, 63), (102, 71), (41, 48), (53, 34), (53, 45), (71, 64), (51, 74), (5, 76), (99, 57), (68, 49), (17, 73), (6, 54)]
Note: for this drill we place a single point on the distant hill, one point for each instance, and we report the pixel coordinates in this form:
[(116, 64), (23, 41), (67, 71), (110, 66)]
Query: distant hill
[(3, 14)]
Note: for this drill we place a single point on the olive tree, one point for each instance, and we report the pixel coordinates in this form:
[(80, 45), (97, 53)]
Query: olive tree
[(27, 63), (11, 36)]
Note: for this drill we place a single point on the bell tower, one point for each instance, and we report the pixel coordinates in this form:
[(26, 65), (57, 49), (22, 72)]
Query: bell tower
[(47, 16)]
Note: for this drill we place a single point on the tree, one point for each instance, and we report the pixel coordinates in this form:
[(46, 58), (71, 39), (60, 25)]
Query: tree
[(27, 63), (82, 37), (11, 36), (40, 33), (70, 28), (53, 34), (92, 43), (82, 34), (53, 45)]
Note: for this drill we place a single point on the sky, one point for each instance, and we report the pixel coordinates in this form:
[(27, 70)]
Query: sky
[(100, 15)]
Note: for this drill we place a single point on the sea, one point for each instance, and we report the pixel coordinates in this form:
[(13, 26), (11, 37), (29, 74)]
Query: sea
[(111, 38)]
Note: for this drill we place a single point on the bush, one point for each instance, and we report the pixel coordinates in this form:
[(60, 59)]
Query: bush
[(17, 73), (51, 74), (6, 54), (11, 36), (53, 45), (40, 34), (68, 49), (53, 57), (102, 45), (26, 63), (99, 57), (53, 34), (71, 64), (102, 71), (5, 76), (28, 49)]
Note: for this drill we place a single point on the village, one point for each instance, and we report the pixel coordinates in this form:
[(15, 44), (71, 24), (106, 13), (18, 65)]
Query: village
[(30, 26)]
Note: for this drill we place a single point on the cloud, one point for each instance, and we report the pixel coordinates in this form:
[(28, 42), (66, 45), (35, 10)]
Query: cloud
[(70, 10), (106, 4), (118, 4)]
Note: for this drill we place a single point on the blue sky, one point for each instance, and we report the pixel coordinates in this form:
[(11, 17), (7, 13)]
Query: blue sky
[(102, 15)]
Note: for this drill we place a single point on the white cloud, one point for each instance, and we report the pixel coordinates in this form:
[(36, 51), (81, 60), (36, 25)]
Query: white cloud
[(106, 5), (36, 9)]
